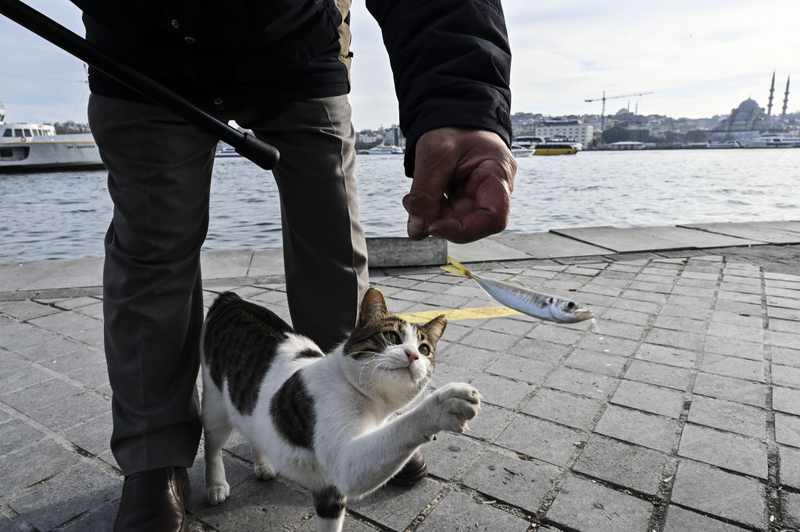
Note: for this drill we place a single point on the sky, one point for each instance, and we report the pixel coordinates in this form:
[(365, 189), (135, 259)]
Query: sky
[(698, 58)]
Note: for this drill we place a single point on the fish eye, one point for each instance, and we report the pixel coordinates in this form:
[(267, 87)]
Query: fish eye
[(392, 338), (571, 305), (424, 350)]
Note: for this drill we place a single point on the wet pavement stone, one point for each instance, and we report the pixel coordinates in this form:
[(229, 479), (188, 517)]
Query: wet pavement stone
[(678, 411)]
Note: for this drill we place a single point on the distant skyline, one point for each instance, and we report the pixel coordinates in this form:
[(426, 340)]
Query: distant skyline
[(699, 59)]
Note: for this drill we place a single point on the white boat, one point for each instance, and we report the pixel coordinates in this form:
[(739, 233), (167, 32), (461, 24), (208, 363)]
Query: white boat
[(528, 141), (728, 144), (383, 149), (773, 140), (519, 151), (37, 147)]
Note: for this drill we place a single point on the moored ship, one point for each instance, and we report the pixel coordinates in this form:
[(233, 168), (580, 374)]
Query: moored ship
[(37, 147)]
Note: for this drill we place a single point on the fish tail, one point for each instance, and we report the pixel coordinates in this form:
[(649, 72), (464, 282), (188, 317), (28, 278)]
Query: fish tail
[(457, 268)]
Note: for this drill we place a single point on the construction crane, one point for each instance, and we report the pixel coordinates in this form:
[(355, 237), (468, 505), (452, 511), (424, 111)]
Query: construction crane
[(604, 98)]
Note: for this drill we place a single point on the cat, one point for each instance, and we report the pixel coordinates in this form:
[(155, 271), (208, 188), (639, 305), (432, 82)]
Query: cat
[(325, 421)]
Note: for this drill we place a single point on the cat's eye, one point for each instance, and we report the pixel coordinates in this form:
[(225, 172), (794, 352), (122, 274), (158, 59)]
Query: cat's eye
[(424, 350), (392, 338)]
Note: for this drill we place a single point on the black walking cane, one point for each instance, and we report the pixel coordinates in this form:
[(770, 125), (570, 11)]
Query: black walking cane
[(261, 153)]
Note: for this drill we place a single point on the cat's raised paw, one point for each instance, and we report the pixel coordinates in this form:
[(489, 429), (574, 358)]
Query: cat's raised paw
[(218, 493), (457, 403)]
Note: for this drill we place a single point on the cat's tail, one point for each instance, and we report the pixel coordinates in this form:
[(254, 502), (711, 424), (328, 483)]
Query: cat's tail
[(457, 268)]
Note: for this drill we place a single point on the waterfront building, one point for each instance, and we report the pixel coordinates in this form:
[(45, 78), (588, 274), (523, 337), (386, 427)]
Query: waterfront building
[(571, 129), (745, 122)]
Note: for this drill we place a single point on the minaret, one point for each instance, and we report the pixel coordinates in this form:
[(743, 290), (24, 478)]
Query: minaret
[(786, 97), (771, 91)]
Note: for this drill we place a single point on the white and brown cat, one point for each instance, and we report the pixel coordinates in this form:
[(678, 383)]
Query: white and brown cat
[(325, 421)]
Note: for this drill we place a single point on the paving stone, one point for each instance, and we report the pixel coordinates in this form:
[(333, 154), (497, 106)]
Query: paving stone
[(493, 341), (61, 415), (786, 400), (670, 356), (653, 399), (501, 391), (785, 357), (679, 339), (625, 465), (40, 395), (449, 454), (726, 415), (680, 323), (681, 520), (22, 377), (603, 363), (458, 511), (608, 345), (522, 483), (582, 505), (789, 466), (637, 427), (786, 376), (539, 350), (723, 449), (94, 436), (32, 464), (256, 505), (581, 382), (488, 425), (626, 316), (790, 504), (15, 434), (737, 390), (556, 334), (659, 374), (466, 356), (785, 326), (733, 367), (445, 372), (720, 494), (65, 496), (540, 439), (751, 348), (521, 369), (787, 429), (395, 507), (567, 409), (622, 330), (749, 322), (50, 349)]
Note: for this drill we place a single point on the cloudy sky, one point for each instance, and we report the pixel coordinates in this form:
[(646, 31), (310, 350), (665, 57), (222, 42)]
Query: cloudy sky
[(699, 58)]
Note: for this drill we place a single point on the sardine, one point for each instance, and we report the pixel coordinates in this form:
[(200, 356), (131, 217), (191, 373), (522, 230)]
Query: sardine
[(519, 298)]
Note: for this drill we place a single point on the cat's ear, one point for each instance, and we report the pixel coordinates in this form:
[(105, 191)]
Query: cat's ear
[(373, 306), (435, 328)]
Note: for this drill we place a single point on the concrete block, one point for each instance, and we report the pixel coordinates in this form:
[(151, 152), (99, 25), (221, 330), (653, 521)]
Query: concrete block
[(395, 507), (523, 483), (625, 465), (651, 431), (737, 390), (724, 449), (540, 439), (653, 399), (393, 252), (681, 520), (567, 409), (458, 511), (585, 506), (720, 494), (726, 415)]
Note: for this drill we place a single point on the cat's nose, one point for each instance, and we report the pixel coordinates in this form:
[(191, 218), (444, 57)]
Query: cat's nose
[(412, 355)]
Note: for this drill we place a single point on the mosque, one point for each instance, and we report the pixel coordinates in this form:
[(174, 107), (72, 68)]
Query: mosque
[(749, 120)]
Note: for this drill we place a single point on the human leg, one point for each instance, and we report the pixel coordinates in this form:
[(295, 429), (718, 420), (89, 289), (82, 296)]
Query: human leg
[(324, 246), (159, 179)]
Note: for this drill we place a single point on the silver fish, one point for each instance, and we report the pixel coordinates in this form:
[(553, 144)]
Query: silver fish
[(517, 297)]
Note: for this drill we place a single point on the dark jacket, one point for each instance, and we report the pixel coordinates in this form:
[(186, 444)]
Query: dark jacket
[(450, 58)]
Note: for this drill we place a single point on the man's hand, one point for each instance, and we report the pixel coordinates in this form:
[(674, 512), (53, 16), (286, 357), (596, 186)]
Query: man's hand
[(462, 185)]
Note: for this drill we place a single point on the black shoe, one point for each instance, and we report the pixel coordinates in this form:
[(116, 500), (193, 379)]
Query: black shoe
[(154, 501), (414, 471)]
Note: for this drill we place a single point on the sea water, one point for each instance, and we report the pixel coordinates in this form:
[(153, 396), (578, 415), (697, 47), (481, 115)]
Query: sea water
[(58, 215)]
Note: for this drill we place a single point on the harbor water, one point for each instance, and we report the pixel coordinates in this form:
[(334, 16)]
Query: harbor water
[(61, 215)]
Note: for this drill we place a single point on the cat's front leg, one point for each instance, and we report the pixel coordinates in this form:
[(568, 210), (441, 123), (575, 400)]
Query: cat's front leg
[(450, 407), (261, 465)]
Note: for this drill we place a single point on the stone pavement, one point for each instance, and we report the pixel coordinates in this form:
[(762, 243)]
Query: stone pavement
[(678, 412)]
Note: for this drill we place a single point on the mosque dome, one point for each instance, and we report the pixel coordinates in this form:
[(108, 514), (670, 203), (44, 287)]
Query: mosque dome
[(748, 116)]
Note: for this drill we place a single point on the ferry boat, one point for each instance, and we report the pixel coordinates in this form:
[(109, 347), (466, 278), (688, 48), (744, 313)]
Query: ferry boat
[(773, 140), (37, 147), (728, 144), (383, 149), (518, 151), (555, 148)]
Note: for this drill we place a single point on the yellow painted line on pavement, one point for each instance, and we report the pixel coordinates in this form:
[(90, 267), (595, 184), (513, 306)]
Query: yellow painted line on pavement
[(459, 314)]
